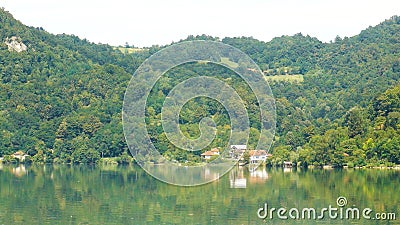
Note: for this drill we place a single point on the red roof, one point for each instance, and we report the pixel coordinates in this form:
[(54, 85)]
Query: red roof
[(19, 153), (211, 153), (215, 150), (208, 153), (258, 153)]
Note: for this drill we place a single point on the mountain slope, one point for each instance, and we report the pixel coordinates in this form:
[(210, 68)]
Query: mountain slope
[(61, 99), (59, 81)]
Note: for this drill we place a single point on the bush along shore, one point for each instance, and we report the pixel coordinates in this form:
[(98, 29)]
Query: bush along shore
[(127, 159), (18, 158)]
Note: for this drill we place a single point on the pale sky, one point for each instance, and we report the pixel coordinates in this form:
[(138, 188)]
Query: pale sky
[(149, 22)]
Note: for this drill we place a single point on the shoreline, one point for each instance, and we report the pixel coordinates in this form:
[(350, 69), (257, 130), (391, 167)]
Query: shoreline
[(113, 161)]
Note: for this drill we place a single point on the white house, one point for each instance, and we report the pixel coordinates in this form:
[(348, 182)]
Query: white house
[(237, 151), (257, 156), (211, 153), (20, 155)]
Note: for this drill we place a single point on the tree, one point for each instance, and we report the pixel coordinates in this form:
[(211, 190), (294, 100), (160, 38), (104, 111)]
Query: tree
[(356, 121)]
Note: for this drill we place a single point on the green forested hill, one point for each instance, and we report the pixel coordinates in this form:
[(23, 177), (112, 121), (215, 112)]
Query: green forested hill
[(61, 99), (62, 94)]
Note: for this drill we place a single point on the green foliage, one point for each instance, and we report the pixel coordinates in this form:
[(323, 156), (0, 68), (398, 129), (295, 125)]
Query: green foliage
[(39, 157), (61, 99), (246, 157), (85, 155), (60, 89), (280, 154), (9, 159), (124, 159), (355, 121), (27, 160)]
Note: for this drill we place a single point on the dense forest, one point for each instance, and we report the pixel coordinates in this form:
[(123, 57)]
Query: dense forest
[(337, 103)]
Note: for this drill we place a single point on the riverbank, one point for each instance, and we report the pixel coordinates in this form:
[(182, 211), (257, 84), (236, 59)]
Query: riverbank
[(129, 161), (396, 167)]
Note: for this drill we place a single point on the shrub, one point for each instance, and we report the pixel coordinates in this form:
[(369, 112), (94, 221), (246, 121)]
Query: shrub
[(125, 158), (9, 159)]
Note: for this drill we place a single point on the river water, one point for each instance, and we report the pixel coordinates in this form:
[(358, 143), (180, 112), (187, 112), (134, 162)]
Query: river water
[(65, 194)]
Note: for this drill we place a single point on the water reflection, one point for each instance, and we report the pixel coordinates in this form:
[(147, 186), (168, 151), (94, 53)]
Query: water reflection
[(19, 171), (237, 178), (63, 194), (287, 169), (258, 176), (186, 175)]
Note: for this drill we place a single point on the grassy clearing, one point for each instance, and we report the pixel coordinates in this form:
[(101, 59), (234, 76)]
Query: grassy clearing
[(130, 50), (228, 62), (298, 78)]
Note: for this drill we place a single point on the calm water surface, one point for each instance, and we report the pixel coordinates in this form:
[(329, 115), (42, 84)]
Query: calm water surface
[(127, 195)]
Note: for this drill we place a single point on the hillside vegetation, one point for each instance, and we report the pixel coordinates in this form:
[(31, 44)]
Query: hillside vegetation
[(337, 103)]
